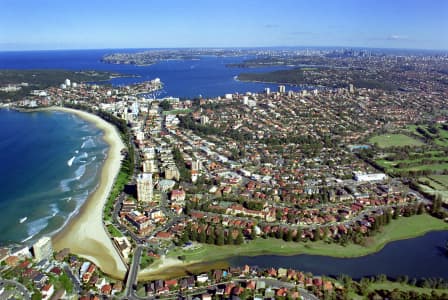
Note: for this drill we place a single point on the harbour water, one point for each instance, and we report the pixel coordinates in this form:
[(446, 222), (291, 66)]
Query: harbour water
[(49, 163), (419, 257), (208, 76)]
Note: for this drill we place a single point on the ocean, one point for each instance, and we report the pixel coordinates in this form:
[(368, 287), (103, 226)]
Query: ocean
[(49, 163)]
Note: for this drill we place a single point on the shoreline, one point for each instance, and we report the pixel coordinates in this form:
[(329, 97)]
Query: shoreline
[(286, 84), (170, 264), (84, 234)]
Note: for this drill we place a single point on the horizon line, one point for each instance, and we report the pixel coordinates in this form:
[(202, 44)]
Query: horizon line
[(225, 47)]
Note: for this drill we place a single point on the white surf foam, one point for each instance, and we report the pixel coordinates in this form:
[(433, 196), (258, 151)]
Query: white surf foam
[(38, 225), (88, 143), (70, 161), (80, 171), (27, 239), (64, 184)]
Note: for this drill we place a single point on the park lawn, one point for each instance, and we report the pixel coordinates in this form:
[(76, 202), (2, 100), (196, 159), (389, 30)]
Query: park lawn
[(431, 183), (440, 139), (433, 188), (394, 140), (389, 285), (114, 231), (353, 296), (441, 179), (386, 163), (413, 163), (413, 129), (442, 142), (433, 167), (398, 229)]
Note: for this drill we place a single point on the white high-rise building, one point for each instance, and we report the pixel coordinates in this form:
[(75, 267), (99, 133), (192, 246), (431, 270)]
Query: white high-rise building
[(67, 82), (204, 120), (145, 187), (43, 248), (351, 88), (281, 89), (267, 91), (196, 164)]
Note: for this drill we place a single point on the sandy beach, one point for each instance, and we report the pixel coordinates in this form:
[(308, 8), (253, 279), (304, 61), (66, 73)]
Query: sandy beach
[(85, 234), (169, 267)]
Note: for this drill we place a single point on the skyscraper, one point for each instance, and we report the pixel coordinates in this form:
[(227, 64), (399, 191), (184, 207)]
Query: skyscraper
[(144, 187)]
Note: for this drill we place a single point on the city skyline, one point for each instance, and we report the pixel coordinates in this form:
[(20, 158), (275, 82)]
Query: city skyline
[(51, 25)]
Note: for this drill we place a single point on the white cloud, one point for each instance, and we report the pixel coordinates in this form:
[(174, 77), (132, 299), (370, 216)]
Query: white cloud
[(397, 37)]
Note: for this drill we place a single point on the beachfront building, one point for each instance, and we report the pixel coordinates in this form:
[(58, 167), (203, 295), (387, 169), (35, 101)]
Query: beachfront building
[(124, 246), (43, 248), (145, 188)]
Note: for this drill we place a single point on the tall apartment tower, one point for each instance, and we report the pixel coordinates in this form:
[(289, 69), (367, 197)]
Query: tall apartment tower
[(281, 89), (195, 168), (351, 88), (145, 187), (43, 248)]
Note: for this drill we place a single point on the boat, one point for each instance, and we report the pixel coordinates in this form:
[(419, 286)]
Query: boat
[(23, 220)]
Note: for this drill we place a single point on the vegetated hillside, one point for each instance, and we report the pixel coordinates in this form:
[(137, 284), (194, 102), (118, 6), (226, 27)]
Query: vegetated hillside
[(294, 76), (329, 77), (41, 79)]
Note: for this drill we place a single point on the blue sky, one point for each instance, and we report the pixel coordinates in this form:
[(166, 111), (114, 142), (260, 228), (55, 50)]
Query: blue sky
[(79, 24)]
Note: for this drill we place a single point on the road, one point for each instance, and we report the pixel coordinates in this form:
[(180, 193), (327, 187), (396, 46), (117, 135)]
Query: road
[(270, 282), (73, 278), (277, 283), (19, 288), (360, 216), (131, 279)]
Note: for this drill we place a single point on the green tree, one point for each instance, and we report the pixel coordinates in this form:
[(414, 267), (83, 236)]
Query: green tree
[(279, 234), (165, 105), (202, 236), (193, 235), (298, 236), (240, 238), (66, 283), (228, 240), (220, 238), (437, 204), (396, 213), (388, 216), (36, 295), (253, 234), (211, 237), (421, 208)]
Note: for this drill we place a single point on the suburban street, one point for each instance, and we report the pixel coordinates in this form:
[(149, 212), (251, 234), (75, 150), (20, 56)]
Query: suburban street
[(19, 288), (74, 279), (131, 279)]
